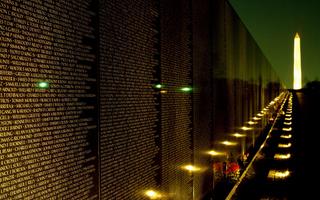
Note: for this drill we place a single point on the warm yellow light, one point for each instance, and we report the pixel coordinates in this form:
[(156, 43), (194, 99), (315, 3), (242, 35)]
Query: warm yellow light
[(238, 135), (259, 114), (297, 83), (251, 122), (163, 91), (286, 136), (191, 168), (288, 115), (284, 145), (256, 118), (245, 128), (216, 153), (287, 123), (282, 156), (153, 194), (288, 118), (287, 129), (276, 174), (228, 143)]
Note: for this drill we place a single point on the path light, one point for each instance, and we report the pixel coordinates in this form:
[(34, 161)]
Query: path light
[(287, 129), (286, 136), (284, 145), (276, 174), (278, 156), (287, 123)]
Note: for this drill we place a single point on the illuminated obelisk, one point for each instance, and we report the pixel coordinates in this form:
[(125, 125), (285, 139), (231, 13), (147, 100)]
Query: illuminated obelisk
[(297, 82)]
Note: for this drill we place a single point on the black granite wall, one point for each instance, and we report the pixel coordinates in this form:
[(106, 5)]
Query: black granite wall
[(82, 112)]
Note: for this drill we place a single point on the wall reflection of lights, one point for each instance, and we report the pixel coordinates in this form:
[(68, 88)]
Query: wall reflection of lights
[(238, 135), (216, 153), (252, 123), (284, 145), (191, 168), (228, 143), (287, 129), (282, 156), (277, 174), (158, 86), (153, 194), (163, 91), (186, 89), (260, 114), (245, 128), (256, 118), (286, 136)]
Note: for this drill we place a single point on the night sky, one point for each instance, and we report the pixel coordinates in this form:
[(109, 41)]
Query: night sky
[(273, 24)]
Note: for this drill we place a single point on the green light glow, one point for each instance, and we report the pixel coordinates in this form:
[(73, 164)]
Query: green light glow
[(186, 89), (158, 86), (43, 85)]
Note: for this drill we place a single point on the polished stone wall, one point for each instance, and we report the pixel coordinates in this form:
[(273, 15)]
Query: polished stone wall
[(109, 99)]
